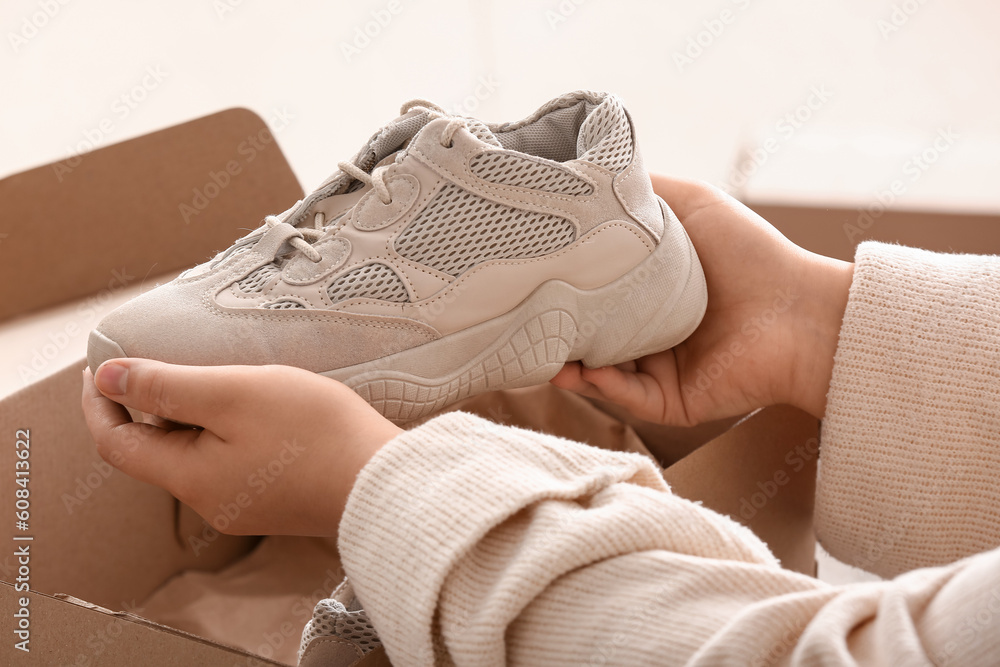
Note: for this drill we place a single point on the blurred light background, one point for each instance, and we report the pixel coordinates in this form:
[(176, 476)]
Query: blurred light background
[(706, 82)]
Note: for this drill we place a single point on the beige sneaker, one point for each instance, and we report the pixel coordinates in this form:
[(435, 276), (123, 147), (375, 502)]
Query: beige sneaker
[(480, 257), (339, 634)]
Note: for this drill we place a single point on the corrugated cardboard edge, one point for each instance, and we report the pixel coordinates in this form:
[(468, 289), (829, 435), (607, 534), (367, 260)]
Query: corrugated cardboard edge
[(66, 630)]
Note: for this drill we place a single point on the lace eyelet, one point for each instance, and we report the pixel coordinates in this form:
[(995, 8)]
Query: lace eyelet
[(450, 144)]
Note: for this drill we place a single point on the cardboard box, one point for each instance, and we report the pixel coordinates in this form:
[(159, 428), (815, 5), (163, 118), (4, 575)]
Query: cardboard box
[(146, 206), (85, 634), (828, 188), (837, 231), (118, 572), (105, 226)]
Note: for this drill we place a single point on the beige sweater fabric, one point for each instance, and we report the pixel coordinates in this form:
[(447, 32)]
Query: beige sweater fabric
[(477, 544)]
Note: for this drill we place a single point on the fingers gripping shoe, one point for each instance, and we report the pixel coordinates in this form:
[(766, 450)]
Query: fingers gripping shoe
[(480, 257)]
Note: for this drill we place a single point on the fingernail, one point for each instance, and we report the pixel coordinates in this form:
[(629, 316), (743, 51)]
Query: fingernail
[(112, 378)]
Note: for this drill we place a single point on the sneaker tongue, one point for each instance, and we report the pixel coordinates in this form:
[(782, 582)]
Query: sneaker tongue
[(482, 132), (390, 158), (476, 127), (389, 140)]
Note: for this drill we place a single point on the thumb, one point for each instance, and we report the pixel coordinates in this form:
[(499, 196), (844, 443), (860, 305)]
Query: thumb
[(189, 394), (142, 451)]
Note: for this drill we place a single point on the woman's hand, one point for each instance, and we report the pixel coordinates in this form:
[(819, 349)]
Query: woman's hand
[(769, 334), (278, 453)]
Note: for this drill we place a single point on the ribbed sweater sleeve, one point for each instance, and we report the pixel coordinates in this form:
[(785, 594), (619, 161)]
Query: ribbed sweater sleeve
[(476, 544), (911, 440)]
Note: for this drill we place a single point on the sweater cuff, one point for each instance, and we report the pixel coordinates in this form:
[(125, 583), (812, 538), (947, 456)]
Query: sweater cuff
[(431, 493), (910, 460)]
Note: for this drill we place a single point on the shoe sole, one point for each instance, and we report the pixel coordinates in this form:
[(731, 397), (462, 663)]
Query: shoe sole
[(651, 308)]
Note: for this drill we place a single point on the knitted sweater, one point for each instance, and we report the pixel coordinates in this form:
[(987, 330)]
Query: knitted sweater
[(479, 544)]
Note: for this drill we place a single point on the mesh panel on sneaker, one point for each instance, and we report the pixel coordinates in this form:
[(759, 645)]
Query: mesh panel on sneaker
[(371, 281), (552, 136), (606, 137), (387, 140), (331, 618), (255, 281), (459, 230), (509, 169), (479, 129), (284, 304)]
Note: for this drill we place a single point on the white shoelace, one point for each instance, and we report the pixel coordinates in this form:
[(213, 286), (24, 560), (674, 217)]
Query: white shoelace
[(376, 179), (308, 236)]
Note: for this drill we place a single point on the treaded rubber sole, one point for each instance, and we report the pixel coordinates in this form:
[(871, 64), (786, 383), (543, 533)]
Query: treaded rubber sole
[(531, 354), (651, 308)]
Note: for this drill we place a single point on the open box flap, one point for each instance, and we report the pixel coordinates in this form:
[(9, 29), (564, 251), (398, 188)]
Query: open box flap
[(142, 207), (69, 631)]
